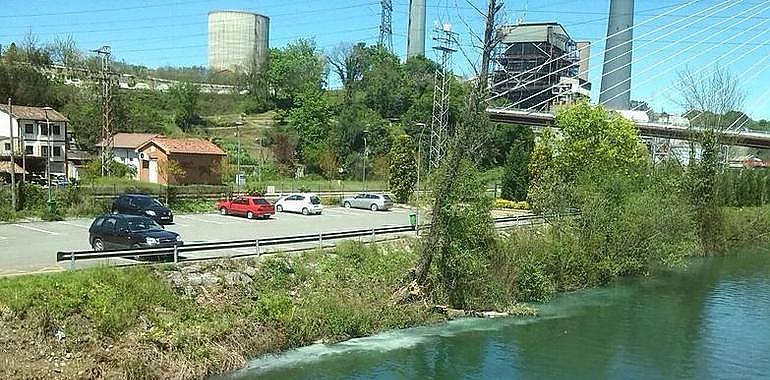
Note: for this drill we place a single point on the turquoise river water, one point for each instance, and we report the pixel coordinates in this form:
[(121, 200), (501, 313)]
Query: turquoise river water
[(708, 321)]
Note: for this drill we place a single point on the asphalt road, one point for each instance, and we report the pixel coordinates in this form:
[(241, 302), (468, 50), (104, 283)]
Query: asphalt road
[(32, 247)]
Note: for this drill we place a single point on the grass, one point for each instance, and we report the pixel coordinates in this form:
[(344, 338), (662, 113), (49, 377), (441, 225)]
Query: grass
[(189, 332)]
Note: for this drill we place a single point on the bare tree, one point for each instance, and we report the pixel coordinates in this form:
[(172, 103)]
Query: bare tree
[(65, 51), (471, 128), (348, 63), (708, 99)]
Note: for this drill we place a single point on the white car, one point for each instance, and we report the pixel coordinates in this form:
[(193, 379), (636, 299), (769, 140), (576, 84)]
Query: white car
[(303, 202)]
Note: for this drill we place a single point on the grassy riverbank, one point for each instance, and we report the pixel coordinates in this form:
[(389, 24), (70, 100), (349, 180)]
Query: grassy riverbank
[(187, 322)]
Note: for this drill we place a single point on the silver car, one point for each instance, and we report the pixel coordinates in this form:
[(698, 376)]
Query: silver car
[(371, 201)]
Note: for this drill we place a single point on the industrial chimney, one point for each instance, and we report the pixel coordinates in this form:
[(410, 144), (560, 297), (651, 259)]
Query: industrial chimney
[(415, 42), (616, 74)]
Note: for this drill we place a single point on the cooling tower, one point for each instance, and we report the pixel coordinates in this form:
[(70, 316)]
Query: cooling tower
[(415, 42), (237, 39)]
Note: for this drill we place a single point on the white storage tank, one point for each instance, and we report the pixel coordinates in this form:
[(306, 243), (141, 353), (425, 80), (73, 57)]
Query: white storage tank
[(237, 39)]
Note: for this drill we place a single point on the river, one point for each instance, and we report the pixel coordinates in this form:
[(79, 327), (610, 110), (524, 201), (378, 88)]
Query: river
[(708, 321)]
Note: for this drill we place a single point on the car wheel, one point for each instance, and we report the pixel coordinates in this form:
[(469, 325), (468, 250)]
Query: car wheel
[(223, 211), (373, 207), (249, 215), (98, 245), (279, 208), (347, 204), (305, 211)]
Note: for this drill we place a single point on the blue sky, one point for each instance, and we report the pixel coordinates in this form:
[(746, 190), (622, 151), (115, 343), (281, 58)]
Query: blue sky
[(173, 32)]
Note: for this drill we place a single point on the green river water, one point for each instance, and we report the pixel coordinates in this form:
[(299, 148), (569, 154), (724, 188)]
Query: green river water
[(709, 321)]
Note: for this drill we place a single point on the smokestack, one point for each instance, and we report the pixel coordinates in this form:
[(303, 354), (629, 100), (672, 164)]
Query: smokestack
[(616, 75), (415, 42), (584, 52)]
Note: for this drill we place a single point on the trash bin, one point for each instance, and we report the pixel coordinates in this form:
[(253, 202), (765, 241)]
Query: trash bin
[(51, 205), (413, 220)]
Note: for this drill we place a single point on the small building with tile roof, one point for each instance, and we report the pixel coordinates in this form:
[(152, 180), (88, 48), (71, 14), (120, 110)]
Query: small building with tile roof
[(180, 161)]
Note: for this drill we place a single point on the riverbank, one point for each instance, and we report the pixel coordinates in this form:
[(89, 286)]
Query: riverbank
[(195, 320)]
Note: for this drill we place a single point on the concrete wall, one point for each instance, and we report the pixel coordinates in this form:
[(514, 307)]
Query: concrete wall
[(236, 39)]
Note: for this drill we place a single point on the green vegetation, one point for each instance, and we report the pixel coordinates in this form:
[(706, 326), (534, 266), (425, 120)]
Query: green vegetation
[(282, 302), (403, 168)]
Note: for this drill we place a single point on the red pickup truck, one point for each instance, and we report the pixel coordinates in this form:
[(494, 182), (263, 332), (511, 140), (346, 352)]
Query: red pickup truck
[(248, 206)]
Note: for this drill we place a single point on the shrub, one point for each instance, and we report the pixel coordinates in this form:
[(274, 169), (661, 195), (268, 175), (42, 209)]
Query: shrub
[(504, 203)]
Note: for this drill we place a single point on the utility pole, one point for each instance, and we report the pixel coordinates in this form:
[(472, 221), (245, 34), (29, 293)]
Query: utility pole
[(439, 127), (13, 157), (365, 154), (386, 28), (104, 52)]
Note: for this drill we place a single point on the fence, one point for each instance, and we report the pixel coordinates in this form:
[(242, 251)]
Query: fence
[(259, 244)]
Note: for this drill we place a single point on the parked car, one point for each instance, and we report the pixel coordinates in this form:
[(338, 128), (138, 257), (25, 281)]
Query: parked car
[(248, 206), (144, 205), (116, 231), (371, 201), (304, 203)]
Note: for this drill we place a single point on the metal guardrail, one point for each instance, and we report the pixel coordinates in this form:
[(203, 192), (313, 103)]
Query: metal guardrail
[(258, 244)]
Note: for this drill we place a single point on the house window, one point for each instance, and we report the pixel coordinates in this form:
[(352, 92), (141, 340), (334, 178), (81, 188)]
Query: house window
[(29, 149), (145, 164), (44, 151), (57, 129), (29, 129), (8, 146), (43, 129), (57, 151)]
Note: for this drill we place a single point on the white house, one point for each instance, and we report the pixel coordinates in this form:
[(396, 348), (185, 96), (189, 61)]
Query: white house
[(40, 133), (125, 145)]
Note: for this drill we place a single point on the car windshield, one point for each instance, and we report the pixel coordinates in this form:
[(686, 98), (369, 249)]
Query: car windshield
[(315, 200), (147, 202), (142, 224)]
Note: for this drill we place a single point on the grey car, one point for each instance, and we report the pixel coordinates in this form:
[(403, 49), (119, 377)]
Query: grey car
[(370, 201)]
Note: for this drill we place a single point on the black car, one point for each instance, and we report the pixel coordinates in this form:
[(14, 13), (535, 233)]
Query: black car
[(115, 231), (139, 204)]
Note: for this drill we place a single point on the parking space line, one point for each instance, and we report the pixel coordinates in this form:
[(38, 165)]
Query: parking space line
[(200, 219), (34, 229), (74, 225), (348, 212)]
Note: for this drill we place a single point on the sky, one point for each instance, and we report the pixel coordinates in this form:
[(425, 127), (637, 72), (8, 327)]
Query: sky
[(670, 35)]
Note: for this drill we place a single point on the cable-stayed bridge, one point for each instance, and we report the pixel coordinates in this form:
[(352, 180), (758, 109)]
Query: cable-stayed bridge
[(730, 33)]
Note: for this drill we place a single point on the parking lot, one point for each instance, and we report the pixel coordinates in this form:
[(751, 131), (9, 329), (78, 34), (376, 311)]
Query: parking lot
[(32, 247)]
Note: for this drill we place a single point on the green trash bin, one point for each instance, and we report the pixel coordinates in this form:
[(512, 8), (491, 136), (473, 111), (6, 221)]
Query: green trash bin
[(413, 220), (51, 205)]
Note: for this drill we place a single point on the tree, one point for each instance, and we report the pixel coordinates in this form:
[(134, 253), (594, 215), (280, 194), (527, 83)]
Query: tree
[(516, 176), (328, 164), (403, 168), (455, 176), (708, 98), (593, 144), (185, 97), (294, 70), (283, 145), (310, 121)]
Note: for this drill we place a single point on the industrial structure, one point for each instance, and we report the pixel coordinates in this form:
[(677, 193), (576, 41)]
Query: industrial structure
[(415, 37), (446, 44), (538, 66), (386, 25), (238, 40), (616, 73)]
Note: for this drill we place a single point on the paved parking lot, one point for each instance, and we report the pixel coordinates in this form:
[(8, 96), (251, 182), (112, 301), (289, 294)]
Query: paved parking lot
[(32, 247)]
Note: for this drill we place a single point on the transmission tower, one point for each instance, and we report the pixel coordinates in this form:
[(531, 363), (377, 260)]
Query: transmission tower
[(106, 82), (446, 43), (386, 30)]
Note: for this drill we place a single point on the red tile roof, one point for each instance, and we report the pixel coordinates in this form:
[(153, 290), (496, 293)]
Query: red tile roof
[(34, 113), (130, 140), (186, 145)]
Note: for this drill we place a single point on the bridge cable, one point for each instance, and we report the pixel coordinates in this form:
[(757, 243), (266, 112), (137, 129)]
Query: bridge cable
[(637, 59), (597, 40)]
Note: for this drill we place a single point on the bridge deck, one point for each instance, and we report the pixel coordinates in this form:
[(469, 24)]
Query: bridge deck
[(747, 139)]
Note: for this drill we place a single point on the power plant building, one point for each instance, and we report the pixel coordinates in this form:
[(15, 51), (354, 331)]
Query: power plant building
[(539, 66), (237, 40), (415, 36)]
